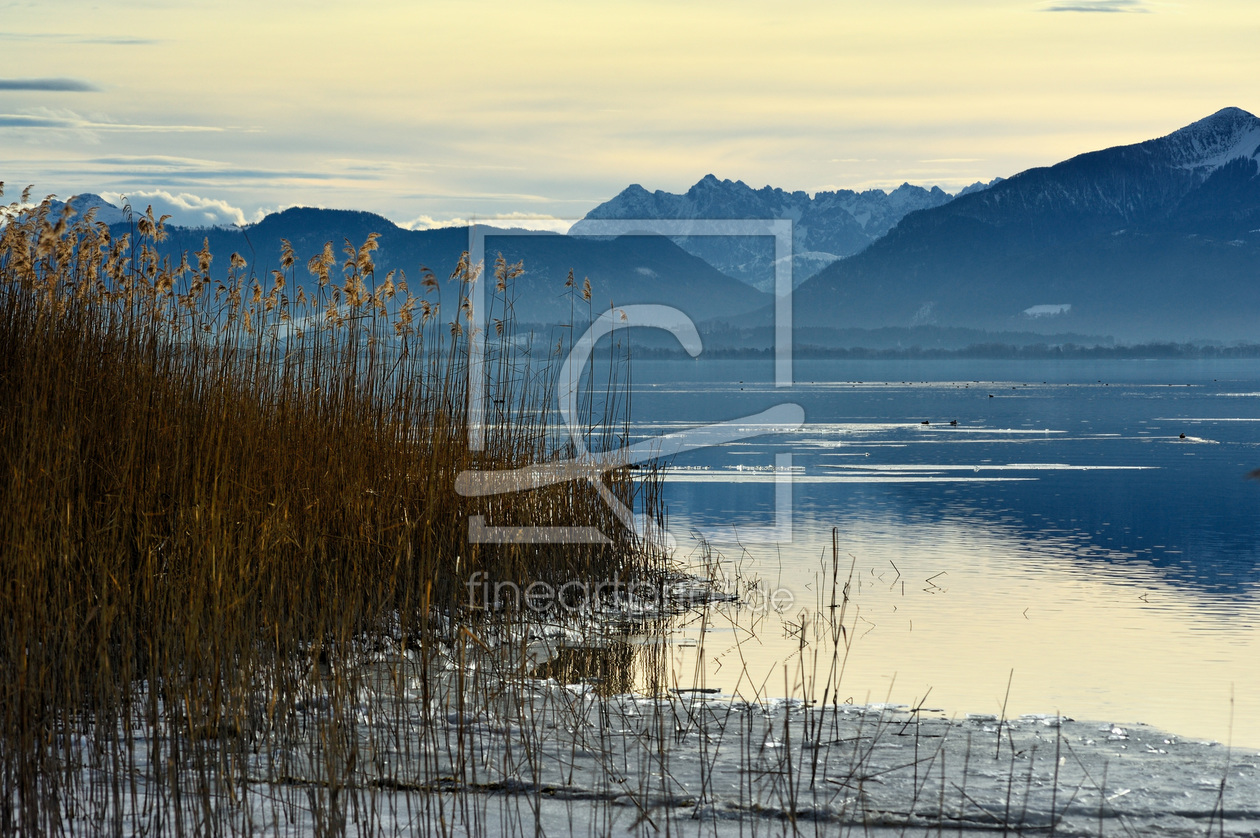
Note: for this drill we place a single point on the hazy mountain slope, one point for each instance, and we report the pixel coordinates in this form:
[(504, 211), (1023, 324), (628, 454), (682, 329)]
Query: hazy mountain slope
[(631, 269), (626, 270), (1158, 240)]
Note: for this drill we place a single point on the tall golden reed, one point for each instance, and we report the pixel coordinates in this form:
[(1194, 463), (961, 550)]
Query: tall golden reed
[(213, 483)]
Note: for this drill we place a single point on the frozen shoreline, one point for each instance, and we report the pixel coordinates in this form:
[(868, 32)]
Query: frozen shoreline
[(715, 767), (469, 744), (699, 762), (546, 758)]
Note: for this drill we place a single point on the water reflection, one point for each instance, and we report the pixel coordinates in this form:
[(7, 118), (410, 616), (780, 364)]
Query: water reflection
[(1073, 534), (943, 612)]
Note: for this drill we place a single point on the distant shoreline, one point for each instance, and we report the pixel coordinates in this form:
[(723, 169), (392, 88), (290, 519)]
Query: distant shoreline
[(996, 352)]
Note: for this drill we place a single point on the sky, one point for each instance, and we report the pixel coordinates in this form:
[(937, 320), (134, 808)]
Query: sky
[(437, 112)]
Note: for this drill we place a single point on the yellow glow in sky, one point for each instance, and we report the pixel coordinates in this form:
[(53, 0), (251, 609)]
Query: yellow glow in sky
[(454, 109)]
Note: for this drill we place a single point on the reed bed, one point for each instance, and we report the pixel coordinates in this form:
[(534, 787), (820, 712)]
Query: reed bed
[(218, 488)]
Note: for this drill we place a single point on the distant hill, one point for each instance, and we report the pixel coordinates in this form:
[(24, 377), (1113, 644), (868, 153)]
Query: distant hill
[(827, 226), (1154, 241), (631, 269)]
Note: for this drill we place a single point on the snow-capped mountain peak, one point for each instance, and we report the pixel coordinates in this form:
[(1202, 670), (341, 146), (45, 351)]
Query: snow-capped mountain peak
[(1213, 141), (105, 211), (828, 225)]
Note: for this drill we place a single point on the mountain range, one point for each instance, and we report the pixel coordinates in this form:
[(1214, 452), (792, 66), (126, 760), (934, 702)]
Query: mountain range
[(827, 226), (1155, 241)]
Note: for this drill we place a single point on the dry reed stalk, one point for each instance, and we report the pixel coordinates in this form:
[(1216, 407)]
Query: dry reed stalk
[(217, 488)]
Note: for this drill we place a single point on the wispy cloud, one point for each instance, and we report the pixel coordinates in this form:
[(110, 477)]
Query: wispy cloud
[(158, 161), (68, 38), (53, 85), (173, 171), (68, 120), (129, 173), (121, 40), (19, 120), (1108, 6), (520, 197)]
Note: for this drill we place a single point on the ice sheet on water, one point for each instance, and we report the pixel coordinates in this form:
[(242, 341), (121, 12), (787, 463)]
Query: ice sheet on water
[(1044, 719), (717, 768)]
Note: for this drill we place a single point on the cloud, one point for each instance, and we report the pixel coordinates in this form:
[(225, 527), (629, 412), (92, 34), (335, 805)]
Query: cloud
[(175, 174), (118, 41), (428, 222), (169, 170), (21, 120), (1109, 6), (185, 209), (163, 162), (519, 220), (64, 37), (481, 196), (69, 120), (51, 85)]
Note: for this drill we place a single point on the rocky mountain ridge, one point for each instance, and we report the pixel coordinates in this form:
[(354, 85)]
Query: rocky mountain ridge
[(827, 226)]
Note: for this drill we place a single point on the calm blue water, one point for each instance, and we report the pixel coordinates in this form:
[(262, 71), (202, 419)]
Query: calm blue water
[(1087, 546), (1189, 510)]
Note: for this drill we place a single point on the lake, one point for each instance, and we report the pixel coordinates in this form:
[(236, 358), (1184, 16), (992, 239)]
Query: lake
[(1083, 540)]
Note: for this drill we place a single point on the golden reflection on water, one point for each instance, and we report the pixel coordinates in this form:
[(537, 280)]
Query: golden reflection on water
[(944, 614)]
